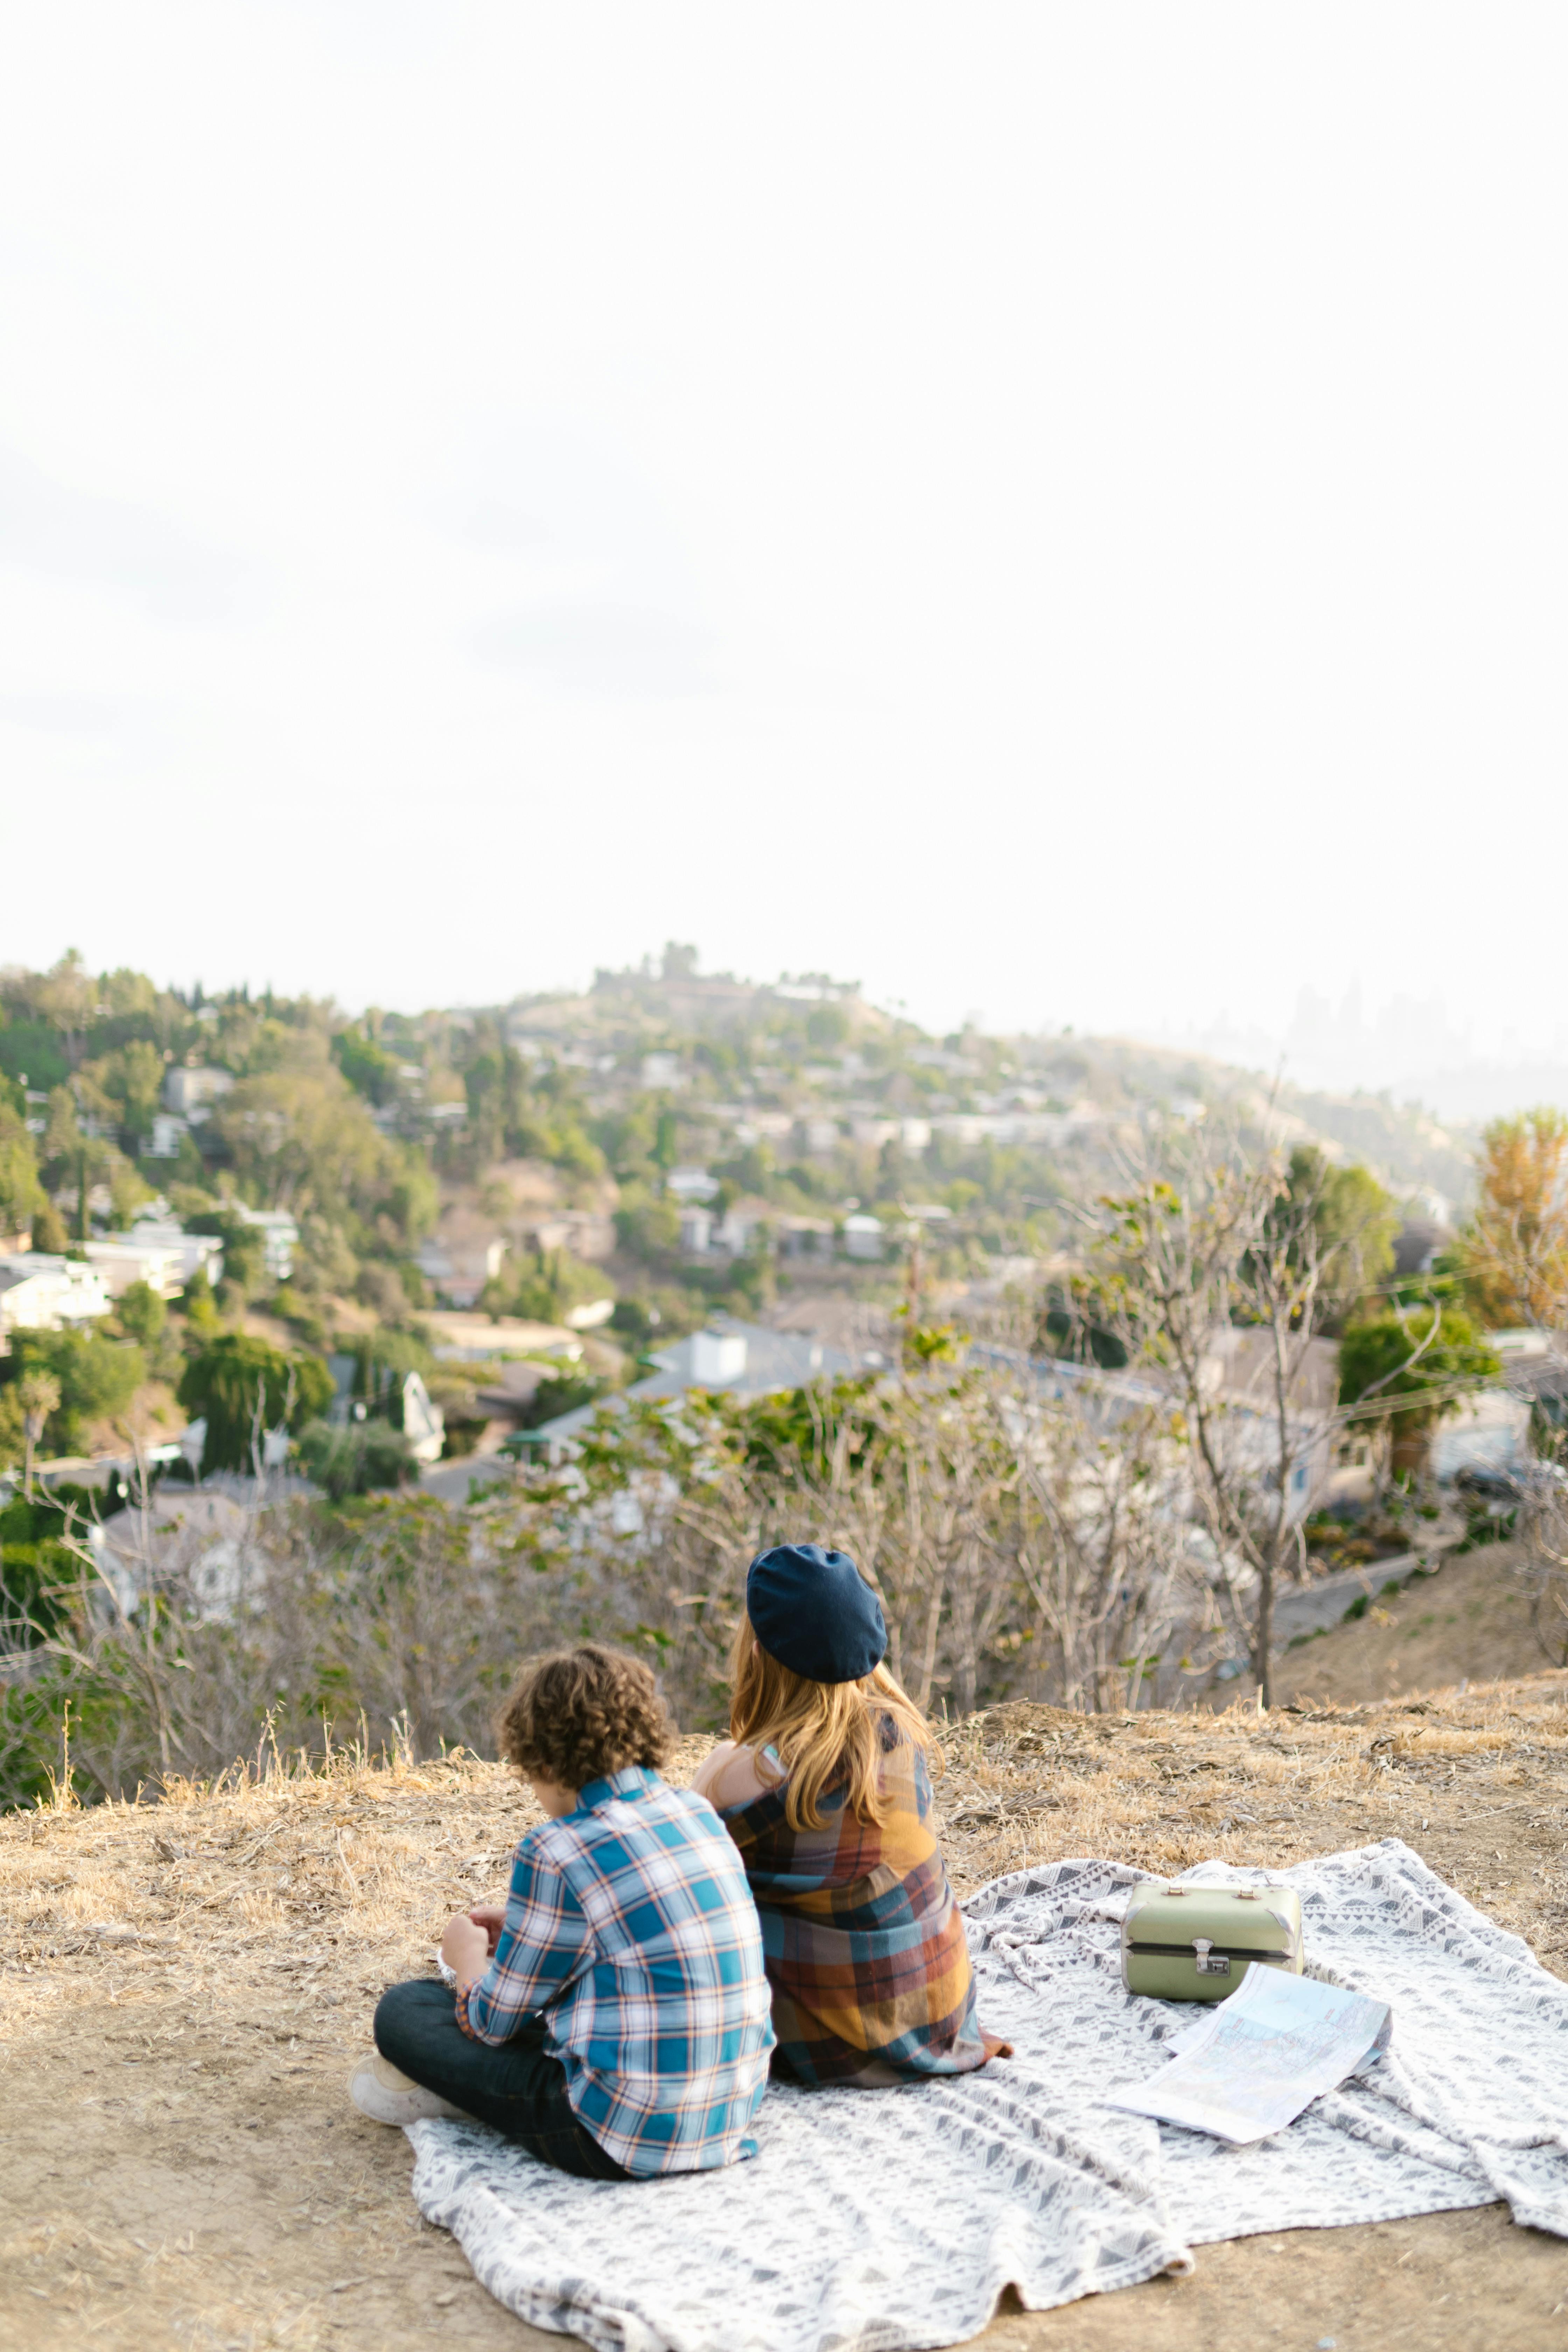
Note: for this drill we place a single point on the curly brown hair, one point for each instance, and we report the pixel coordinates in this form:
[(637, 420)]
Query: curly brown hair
[(577, 1714)]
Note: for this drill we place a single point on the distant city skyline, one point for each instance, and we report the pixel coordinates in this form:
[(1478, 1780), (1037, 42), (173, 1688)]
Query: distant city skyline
[(1408, 1046)]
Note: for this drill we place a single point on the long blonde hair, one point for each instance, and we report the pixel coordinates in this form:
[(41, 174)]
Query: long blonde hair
[(821, 1732)]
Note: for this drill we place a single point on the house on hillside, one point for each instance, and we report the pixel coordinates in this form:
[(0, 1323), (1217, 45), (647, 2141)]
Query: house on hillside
[(691, 1183), (584, 1232), (1419, 1242), (169, 1132), (280, 1237), (124, 1258), (197, 1253), (696, 1230), (1490, 1431), (1238, 1369), (745, 1226), (810, 1237), (39, 1292), (189, 1093), (488, 1338), (461, 1257), (460, 1266)]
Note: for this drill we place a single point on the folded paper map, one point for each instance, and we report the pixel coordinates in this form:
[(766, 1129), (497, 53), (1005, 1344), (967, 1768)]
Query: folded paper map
[(1250, 2065)]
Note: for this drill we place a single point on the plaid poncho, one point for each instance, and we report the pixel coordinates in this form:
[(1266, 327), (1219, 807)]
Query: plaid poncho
[(864, 1945)]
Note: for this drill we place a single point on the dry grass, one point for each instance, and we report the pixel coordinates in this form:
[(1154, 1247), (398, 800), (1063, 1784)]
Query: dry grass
[(184, 1984)]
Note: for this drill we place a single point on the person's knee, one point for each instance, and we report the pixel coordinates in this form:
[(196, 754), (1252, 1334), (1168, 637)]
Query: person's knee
[(403, 2018)]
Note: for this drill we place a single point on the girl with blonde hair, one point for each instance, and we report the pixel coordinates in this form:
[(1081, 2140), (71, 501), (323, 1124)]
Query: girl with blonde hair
[(824, 1786)]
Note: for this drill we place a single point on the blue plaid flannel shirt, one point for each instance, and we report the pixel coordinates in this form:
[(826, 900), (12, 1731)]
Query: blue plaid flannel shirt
[(631, 1929)]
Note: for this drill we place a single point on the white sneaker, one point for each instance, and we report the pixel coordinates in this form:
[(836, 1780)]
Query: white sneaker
[(381, 2091)]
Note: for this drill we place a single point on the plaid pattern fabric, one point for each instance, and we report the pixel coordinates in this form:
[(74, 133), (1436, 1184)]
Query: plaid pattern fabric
[(866, 1950), (630, 1928)]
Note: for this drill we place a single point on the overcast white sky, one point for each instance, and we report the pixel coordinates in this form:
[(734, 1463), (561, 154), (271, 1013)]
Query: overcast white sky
[(1057, 512)]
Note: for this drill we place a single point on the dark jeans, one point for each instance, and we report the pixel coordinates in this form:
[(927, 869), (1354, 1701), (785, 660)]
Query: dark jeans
[(515, 2085)]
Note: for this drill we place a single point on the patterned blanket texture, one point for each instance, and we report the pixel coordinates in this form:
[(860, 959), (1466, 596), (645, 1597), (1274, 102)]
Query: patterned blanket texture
[(874, 2221)]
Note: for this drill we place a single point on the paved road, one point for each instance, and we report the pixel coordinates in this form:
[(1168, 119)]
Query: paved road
[(1325, 1602)]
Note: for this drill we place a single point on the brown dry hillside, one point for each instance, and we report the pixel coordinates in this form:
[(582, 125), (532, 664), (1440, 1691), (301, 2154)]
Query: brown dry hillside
[(1470, 1619), (185, 1985)]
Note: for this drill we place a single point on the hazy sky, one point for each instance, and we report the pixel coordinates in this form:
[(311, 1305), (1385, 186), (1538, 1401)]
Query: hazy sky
[(1056, 511)]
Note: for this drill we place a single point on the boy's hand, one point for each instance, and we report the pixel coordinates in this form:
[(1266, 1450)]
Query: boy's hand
[(493, 1919), (466, 1948)]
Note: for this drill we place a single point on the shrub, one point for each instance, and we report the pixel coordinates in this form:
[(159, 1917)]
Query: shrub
[(356, 1459)]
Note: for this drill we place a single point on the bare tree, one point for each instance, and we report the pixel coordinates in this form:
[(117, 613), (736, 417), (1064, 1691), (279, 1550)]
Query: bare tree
[(1213, 1250), (1103, 1549)]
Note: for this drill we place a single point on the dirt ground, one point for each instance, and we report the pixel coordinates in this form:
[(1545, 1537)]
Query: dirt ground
[(183, 1988), (1470, 1619)]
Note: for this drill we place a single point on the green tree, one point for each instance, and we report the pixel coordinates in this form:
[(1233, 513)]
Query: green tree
[(369, 1068), (298, 1135), (242, 1386), (546, 1286), (382, 1361), (1413, 1368), (67, 997), (1354, 1224), (142, 1314), (559, 1392), (646, 1225), (97, 1378), (203, 1321), (130, 1077), (37, 1569), (21, 1194), (50, 1235)]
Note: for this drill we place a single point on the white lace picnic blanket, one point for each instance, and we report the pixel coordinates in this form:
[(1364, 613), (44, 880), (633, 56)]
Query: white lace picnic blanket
[(874, 2221)]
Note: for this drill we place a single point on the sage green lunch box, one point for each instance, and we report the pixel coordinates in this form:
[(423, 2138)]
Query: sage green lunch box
[(1196, 1943)]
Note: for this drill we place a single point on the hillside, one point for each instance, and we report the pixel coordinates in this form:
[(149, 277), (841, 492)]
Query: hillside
[(668, 1145), (185, 1985)]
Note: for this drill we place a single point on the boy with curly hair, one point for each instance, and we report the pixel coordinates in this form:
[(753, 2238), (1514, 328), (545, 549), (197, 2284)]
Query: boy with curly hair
[(614, 2018)]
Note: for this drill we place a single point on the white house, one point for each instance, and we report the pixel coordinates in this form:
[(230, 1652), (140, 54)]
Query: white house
[(280, 1237), (39, 1292), (459, 1260), (696, 1231), (424, 1423), (691, 1183), (862, 1238), (124, 1258), (742, 1222), (169, 1131), (197, 1253), (191, 1093)]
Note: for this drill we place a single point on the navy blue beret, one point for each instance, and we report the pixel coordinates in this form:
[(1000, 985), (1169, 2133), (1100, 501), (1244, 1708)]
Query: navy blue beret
[(814, 1612)]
